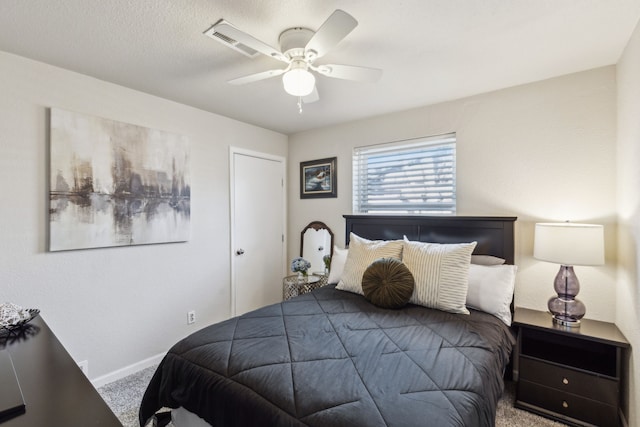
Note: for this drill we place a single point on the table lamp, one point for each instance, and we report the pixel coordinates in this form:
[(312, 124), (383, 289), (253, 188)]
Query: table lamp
[(568, 244)]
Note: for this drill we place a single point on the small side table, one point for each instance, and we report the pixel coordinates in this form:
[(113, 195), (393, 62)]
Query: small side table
[(292, 286), (572, 375)]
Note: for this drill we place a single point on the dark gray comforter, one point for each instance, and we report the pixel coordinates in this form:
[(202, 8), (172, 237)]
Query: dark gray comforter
[(330, 358)]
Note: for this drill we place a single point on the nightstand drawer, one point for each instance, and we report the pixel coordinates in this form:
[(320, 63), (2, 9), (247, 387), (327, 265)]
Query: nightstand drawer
[(569, 381), (566, 404)]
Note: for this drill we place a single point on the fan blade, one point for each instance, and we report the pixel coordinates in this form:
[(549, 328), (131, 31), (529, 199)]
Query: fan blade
[(256, 77), (312, 97), (334, 29), (230, 31), (350, 72)]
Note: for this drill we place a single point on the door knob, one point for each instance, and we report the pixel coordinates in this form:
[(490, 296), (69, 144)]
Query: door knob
[(239, 251)]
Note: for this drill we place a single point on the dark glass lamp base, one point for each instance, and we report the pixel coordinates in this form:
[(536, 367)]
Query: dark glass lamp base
[(566, 311), (571, 323)]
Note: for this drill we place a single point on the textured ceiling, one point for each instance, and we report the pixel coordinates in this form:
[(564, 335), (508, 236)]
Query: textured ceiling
[(430, 50)]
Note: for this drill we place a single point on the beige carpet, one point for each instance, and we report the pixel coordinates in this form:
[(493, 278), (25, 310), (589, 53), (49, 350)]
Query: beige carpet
[(124, 396), (508, 416)]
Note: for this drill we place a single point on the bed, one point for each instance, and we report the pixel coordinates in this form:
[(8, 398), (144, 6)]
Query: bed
[(333, 358)]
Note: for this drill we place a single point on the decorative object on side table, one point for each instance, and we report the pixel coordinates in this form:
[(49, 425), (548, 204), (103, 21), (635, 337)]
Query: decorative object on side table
[(13, 317), (327, 264), (568, 244), (301, 266)]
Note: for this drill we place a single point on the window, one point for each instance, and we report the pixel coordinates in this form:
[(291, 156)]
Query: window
[(416, 176)]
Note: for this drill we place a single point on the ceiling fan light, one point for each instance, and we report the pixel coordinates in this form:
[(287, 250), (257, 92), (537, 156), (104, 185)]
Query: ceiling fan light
[(298, 82)]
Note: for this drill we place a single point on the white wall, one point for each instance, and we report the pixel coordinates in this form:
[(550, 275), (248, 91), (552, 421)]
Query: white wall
[(115, 306), (628, 290), (543, 152)]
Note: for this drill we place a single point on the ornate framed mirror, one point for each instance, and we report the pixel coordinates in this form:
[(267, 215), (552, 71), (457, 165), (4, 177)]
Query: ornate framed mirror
[(316, 241)]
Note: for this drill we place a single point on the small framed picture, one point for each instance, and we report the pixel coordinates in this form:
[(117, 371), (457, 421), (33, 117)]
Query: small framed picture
[(318, 178)]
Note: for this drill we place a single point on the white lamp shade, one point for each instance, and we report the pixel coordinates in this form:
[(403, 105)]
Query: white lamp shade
[(569, 243), (298, 82)]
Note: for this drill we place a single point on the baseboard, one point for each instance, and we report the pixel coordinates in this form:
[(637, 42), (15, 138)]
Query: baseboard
[(127, 370)]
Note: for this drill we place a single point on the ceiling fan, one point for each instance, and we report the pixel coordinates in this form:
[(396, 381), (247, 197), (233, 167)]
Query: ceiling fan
[(299, 48)]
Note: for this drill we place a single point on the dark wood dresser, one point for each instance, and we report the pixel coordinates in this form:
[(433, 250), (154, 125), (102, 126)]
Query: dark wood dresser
[(571, 375), (56, 392)]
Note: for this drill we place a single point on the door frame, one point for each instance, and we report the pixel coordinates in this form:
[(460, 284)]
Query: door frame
[(260, 155)]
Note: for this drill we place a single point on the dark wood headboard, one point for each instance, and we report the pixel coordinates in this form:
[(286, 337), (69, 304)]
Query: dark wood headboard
[(494, 234)]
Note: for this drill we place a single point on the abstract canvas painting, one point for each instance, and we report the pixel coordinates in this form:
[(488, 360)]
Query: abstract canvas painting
[(115, 184)]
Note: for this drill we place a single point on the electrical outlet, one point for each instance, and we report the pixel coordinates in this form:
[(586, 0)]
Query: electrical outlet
[(84, 366), (191, 317)]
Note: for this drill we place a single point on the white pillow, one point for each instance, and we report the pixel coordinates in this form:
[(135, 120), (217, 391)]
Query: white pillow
[(491, 289), (362, 253), (338, 259), (486, 260), (441, 272)]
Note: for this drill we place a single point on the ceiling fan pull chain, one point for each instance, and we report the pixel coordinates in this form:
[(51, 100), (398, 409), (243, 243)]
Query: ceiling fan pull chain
[(299, 105)]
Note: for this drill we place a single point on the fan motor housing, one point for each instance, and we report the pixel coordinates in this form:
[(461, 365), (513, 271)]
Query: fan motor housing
[(293, 41)]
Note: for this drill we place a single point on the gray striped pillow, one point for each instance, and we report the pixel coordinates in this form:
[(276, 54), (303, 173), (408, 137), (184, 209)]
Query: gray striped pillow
[(362, 253), (441, 272)]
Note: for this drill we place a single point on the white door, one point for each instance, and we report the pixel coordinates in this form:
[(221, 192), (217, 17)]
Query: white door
[(257, 229)]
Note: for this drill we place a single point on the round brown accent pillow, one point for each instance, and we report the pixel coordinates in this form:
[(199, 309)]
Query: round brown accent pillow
[(388, 283)]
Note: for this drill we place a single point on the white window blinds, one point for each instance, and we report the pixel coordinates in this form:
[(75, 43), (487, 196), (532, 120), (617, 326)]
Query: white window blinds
[(416, 176)]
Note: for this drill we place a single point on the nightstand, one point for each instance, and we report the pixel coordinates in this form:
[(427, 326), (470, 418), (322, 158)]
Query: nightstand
[(292, 287), (568, 374)]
